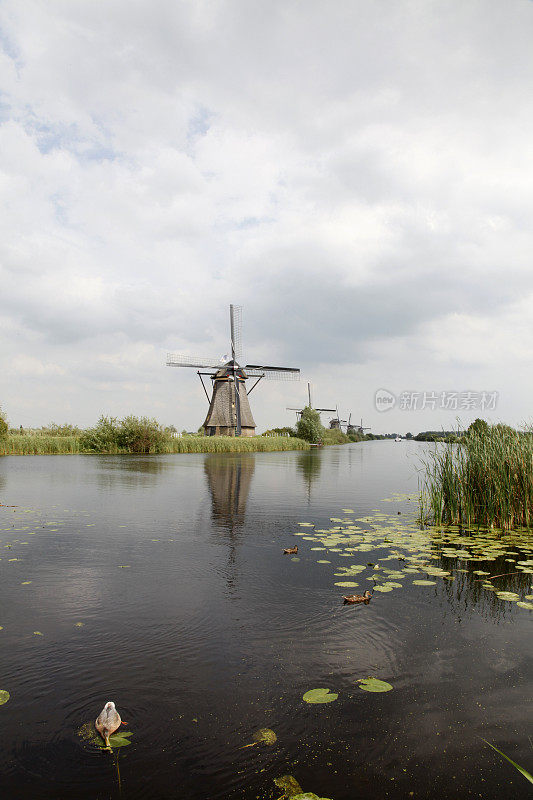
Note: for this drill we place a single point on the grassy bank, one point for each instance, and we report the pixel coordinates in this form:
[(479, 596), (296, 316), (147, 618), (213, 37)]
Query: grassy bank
[(486, 479), (37, 444)]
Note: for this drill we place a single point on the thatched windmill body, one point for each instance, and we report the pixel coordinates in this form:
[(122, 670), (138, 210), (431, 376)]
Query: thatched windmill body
[(229, 411)]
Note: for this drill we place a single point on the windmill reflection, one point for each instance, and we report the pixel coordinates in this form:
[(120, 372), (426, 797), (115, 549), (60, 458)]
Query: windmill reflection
[(229, 477), (309, 463)]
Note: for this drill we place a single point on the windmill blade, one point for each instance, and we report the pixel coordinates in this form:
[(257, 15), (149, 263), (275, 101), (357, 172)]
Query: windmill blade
[(235, 320), (272, 373), (325, 409), (179, 360)]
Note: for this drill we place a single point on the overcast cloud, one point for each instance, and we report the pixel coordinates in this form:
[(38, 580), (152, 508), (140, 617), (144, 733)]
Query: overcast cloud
[(358, 175)]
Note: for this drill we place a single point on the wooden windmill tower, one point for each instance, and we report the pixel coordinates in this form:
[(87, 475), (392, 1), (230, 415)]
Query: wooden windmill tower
[(229, 411), (299, 410), (336, 423), (355, 428)]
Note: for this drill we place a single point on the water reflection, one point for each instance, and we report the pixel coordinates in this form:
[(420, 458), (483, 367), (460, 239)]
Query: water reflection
[(309, 464), (229, 480)]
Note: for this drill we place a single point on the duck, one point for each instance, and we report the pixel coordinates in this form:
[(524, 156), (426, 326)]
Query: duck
[(290, 551), (359, 598), (108, 721)]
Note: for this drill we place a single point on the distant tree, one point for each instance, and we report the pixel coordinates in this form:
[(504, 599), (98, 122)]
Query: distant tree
[(479, 427), (408, 435), (4, 427), (309, 426)]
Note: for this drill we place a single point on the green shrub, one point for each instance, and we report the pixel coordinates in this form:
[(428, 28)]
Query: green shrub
[(130, 435), (309, 428), (4, 427)]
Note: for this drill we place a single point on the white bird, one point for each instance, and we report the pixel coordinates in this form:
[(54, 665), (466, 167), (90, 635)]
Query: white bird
[(108, 721)]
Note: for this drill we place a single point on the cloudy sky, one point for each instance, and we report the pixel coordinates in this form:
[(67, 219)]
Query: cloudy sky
[(357, 174)]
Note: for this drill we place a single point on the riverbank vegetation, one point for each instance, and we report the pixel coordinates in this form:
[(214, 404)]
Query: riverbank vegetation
[(133, 435), (486, 479), (144, 435)]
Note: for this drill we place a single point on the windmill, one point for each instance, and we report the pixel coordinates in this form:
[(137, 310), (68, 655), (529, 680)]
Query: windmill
[(229, 411), (299, 410), (355, 428), (336, 423)]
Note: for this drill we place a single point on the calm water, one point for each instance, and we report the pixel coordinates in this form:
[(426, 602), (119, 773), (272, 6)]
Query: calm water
[(202, 632)]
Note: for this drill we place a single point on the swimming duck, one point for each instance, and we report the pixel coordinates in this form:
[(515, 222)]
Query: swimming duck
[(359, 598), (290, 551), (108, 721)]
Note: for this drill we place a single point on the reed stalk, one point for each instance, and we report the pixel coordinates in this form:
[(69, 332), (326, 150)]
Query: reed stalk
[(486, 479)]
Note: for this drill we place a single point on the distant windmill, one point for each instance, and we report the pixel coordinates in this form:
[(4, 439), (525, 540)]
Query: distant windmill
[(336, 423), (229, 411), (299, 410)]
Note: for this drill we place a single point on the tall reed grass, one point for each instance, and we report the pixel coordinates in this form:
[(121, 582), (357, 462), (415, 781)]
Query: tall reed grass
[(486, 479), (39, 444), (28, 444), (231, 444)]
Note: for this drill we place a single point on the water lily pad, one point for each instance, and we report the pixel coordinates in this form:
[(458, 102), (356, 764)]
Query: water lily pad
[(374, 685), (320, 696), (265, 736), (116, 741), (508, 596), (4, 696), (424, 583), (308, 796), (529, 606), (347, 584), (384, 588), (38, 633), (289, 784)]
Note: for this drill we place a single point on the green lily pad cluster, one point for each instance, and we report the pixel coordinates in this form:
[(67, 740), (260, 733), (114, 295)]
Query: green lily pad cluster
[(404, 553)]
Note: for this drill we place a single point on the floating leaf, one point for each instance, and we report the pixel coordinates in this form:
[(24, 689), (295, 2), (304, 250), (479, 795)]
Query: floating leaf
[(78, 624), (308, 796), (289, 784), (529, 606), (374, 685), (265, 736), (38, 633), (424, 583), (508, 596), (383, 588), (4, 696), (347, 584), (320, 696), (25, 583)]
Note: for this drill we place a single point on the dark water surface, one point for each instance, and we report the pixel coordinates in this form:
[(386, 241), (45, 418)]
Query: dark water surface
[(202, 632)]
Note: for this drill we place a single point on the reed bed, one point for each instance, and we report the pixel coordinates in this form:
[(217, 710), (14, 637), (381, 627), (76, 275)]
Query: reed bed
[(486, 480), (35, 444), (39, 444), (231, 444)]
